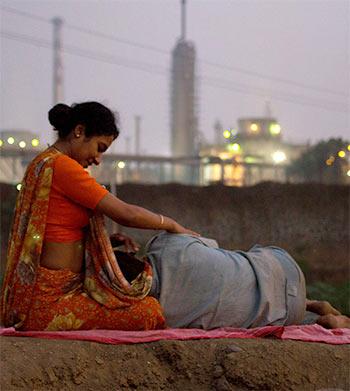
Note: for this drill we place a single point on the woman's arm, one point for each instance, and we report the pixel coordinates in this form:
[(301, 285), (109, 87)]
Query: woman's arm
[(134, 216)]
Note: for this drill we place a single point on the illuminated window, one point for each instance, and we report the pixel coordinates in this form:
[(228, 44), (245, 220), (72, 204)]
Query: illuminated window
[(250, 160), (227, 133), (279, 157), (234, 147), (275, 129), (35, 142)]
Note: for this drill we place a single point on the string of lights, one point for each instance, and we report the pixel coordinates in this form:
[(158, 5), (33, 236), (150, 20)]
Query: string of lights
[(100, 34)]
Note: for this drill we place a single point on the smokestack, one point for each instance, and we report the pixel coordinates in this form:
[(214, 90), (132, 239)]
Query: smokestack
[(57, 61), (137, 135), (183, 19)]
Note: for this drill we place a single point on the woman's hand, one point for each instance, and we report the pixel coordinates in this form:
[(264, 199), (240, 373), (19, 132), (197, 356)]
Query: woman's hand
[(129, 244), (176, 228)]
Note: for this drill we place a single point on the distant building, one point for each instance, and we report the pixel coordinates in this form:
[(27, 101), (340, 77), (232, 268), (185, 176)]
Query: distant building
[(18, 140), (256, 151), (183, 116), (15, 143)]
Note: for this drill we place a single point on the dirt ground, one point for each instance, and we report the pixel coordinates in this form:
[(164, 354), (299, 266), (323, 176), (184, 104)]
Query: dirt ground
[(231, 364)]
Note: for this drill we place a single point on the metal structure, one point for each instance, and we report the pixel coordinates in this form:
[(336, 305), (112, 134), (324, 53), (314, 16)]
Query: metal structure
[(116, 169), (182, 101), (57, 61)]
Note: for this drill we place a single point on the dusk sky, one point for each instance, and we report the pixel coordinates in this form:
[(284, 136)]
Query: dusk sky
[(292, 54)]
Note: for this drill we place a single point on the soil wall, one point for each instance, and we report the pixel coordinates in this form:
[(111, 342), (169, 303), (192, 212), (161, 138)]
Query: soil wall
[(311, 221)]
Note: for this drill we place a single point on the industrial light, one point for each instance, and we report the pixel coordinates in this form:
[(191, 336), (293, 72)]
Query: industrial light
[(227, 133), (11, 140), (275, 129), (341, 154), (234, 147), (348, 173), (330, 160), (19, 186), (349, 147), (250, 160), (254, 127), (279, 157), (22, 144), (35, 142), (1, 143), (121, 164)]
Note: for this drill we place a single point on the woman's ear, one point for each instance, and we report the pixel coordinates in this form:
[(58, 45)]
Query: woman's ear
[(79, 131)]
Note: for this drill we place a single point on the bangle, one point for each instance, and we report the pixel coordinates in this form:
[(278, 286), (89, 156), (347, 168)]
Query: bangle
[(161, 219)]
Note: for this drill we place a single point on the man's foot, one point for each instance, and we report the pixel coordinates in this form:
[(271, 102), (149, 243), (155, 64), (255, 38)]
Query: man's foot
[(321, 307), (331, 321)]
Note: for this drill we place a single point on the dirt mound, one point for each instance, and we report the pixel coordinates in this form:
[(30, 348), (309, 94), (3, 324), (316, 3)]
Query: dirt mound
[(311, 221), (236, 364)]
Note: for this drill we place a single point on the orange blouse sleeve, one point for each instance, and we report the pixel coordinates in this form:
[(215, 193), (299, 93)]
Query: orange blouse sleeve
[(76, 183)]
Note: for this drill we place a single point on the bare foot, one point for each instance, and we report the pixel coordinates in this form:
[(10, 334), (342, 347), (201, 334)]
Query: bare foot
[(331, 321), (321, 307)]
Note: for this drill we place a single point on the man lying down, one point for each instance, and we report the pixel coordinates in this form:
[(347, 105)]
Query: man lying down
[(202, 286)]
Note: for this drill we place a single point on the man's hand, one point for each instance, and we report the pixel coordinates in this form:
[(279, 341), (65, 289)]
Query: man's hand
[(123, 240)]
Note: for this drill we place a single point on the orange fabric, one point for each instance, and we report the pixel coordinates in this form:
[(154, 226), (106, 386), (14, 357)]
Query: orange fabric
[(73, 193), (60, 303), (34, 297)]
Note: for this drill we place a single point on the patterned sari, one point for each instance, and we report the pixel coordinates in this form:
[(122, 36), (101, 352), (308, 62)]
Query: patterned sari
[(36, 298)]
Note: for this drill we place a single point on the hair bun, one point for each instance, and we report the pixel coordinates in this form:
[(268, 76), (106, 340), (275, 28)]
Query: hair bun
[(60, 116)]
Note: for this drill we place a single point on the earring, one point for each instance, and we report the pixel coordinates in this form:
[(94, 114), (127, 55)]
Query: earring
[(77, 135)]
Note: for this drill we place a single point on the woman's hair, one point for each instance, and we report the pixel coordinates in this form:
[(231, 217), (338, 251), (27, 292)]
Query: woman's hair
[(97, 119)]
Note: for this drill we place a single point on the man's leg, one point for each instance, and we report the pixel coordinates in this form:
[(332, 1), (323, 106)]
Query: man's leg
[(321, 307), (329, 317)]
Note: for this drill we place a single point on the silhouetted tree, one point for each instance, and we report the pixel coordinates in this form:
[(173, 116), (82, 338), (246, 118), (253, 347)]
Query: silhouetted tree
[(322, 163)]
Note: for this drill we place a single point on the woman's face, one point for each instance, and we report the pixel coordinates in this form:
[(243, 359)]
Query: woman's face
[(88, 151)]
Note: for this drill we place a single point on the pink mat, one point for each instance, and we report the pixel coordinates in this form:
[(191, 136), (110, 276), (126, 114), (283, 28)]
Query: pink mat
[(309, 333)]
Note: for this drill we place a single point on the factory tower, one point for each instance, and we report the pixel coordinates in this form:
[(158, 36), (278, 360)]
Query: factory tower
[(183, 91)]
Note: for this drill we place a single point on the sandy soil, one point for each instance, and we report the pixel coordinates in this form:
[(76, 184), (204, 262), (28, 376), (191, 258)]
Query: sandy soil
[(235, 364)]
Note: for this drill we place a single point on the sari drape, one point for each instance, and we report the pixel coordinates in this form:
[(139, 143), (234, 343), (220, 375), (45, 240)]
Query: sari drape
[(103, 281)]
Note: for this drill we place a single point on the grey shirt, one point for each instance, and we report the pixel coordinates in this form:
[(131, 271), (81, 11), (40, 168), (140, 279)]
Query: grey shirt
[(204, 287)]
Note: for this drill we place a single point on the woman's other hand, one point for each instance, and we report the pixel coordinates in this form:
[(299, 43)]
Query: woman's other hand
[(129, 244)]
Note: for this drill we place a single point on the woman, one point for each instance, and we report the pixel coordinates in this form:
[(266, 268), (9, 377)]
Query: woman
[(61, 271)]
